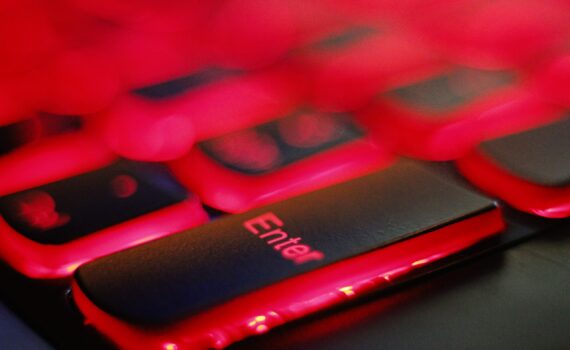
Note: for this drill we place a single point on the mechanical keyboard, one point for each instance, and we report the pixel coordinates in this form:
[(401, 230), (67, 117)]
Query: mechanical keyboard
[(192, 175)]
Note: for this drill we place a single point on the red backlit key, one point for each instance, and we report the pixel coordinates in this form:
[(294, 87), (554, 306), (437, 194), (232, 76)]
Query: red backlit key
[(213, 103), (246, 274), (528, 170), (49, 230), (250, 33), (349, 67), (15, 135), (445, 113), (292, 154)]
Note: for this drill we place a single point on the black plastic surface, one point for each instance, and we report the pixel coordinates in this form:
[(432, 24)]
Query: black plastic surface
[(184, 274)]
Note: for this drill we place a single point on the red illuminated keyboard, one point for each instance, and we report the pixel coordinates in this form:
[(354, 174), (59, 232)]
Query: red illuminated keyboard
[(185, 175)]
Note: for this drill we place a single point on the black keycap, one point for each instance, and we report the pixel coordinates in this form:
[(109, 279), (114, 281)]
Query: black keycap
[(451, 89), (65, 210), (271, 146), (541, 156), (187, 273)]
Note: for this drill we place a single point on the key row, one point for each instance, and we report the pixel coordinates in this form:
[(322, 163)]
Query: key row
[(68, 200), (437, 112), (90, 57)]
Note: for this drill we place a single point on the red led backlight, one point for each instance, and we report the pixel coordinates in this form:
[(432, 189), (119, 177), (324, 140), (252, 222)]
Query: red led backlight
[(262, 310), (38, 210)]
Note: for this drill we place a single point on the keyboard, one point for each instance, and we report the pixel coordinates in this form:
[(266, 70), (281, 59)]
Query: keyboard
[(234, 173)]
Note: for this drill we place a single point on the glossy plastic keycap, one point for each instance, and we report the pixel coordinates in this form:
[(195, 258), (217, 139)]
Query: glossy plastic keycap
[(529, 170), (49, 230), (244, 274), (292, 154)]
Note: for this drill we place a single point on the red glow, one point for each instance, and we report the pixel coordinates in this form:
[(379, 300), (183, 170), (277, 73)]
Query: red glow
[(146, 130), (552, 81), (492, 34), (230, 191), (37, 260), (249, 149), (58, 158), (348, 78), (289, 248), (296, 297), (549, 202), (124, 186), (309, 130), (38, 210), (51, 160), (452, 135)]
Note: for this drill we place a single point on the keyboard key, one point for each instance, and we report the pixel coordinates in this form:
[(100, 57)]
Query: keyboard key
[(349, 67), (529, 170), (166, 128), (444, 114), (293, 154), (49, 230), (245, 274)]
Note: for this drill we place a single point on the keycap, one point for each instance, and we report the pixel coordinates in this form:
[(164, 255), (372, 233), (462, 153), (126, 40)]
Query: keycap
[(348, 67), (245, 274), (295, 153), (49, 230), (446, 112), (214, 102), (529, 170)]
